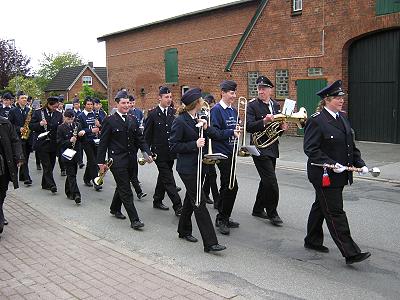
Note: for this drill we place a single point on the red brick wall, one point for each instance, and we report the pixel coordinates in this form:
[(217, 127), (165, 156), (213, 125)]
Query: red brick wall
[(77, 87)]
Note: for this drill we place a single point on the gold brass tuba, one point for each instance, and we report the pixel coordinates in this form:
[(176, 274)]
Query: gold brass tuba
[(271, 133), (99, 180)]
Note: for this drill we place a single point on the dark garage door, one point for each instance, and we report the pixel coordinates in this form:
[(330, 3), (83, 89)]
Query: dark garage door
[(374, 89)]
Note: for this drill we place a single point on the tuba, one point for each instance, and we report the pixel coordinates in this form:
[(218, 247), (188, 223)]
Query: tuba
[(271, 133), (99, 180)]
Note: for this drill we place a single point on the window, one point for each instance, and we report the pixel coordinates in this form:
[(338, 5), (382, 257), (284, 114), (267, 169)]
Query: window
[(383, 7), (87, 80), (297, 5), (314, 71), (251, 84), (184, 89), (171, 65), (282, 83)]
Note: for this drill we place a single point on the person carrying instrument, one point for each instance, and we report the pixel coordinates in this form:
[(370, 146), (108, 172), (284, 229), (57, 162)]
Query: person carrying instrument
[(20, 117), (223, 118), (328, 139), (157, 132), (68, 135), (59, 158), (186, 142), (76, 105), (260, 113), (122, 138), (44, 123)]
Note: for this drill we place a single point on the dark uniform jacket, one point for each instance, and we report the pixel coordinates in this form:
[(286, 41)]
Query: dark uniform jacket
[(157, 132), (50, 143), (256, 112), (64, 134), (184, 135), (11, 150), (122, 139), (17, 117), (4, 111), (327, 140)]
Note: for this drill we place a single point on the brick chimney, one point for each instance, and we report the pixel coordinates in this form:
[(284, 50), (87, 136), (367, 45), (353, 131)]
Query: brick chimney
[(90, 64)]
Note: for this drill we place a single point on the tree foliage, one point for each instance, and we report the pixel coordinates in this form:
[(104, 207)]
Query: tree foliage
[(12, 63), (89, 91), (51, 64), (26, 84)]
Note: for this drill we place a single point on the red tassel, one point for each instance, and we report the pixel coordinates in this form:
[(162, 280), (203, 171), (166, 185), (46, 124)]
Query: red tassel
[(325, 179)]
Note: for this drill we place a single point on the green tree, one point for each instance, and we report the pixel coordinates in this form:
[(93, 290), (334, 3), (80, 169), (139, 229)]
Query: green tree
[(51, 64), (26, 84), (89, 91)]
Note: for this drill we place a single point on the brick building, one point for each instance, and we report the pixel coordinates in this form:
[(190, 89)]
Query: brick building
[(299, 45)]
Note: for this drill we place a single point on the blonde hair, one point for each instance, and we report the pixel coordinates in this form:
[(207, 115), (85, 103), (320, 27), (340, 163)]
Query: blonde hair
[(184, 108)]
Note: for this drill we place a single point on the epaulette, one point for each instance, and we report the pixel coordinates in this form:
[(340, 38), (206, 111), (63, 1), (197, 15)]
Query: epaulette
[(315, 114)]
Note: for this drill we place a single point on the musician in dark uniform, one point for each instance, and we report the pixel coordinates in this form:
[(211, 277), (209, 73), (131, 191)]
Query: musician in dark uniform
[(223, 118), (328, 139), (157, 131), (76, 105), (185, 142), (91, 125), (7, 105), (60, 161), (44, 120), (122, 138), (68, 135), (260, 113), (98, 110), (11, 158), (17, 116)]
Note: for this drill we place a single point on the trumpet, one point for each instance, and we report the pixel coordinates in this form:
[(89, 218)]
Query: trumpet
[(99, 180), (142, 160), (375, 172)]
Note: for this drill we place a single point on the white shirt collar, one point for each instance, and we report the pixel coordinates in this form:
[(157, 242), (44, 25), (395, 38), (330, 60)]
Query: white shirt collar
[(223, 104), (86, 112), (331, 112), (162, 109), (121, 115)]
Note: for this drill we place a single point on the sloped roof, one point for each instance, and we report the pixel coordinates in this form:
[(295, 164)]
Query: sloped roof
[(67, 76)]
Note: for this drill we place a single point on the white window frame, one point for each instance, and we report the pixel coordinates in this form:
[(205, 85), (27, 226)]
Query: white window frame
[(87, 80), (184, 89), (297, 5), (251, 83)]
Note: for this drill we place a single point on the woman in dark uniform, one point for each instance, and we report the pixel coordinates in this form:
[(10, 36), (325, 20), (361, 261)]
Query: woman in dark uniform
[(185, 142)]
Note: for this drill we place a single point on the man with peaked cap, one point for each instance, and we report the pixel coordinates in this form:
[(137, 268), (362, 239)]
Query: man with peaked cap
[(76, 108), (7, 105), (121, 138), (134, 111), (157, 132), (17, 117), (44, 123), (224, 118), (328, 139), (260, 113)]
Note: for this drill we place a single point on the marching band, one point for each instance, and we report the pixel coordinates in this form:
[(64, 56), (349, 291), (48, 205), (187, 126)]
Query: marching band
[(112, 142)]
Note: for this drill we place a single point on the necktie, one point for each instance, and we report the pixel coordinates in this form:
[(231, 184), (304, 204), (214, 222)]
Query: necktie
[(271, 107), (166, 111), (124, 117)]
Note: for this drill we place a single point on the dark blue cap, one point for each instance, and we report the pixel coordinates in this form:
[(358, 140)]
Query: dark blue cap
[(131, 98), (228, 85), (21, 93), (121, 94), (52, 100), (334, 89), (7, 96), (191, 96), (96, 100), (69, 113), (209, 98), (164, 90), (264, 81), (75, 100)]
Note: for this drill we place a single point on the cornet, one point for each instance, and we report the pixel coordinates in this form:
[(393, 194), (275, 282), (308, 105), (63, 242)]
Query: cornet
[(99, 180)]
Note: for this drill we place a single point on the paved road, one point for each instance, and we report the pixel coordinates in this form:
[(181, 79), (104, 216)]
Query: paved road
[(262, 261)]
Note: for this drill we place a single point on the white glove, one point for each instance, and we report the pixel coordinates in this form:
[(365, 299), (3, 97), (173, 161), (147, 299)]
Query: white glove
[(339, 168), (364, 170)]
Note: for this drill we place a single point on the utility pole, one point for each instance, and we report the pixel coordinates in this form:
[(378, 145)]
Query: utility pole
[(15, 65)]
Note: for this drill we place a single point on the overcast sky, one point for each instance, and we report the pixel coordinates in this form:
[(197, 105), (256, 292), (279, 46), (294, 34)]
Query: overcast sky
[(74, 25)]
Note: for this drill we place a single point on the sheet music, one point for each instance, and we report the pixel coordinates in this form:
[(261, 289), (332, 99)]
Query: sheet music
[(288, 107)]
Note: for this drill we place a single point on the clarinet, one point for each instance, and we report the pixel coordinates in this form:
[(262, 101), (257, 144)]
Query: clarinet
[(74, 134), (44, 119)]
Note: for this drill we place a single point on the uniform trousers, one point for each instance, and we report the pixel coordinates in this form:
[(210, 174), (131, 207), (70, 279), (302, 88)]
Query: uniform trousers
[(123, 193), (91, 170), (328, 205), (24, 169), (268, 191), (227, 196), (71, 187), (166, 183), (201, 213), (4, 181), (37, 158), (48, 160), (135, 181), (210, 183)]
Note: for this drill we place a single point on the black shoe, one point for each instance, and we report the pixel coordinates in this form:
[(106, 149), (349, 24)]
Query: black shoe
[(53, 189), (118, 215), (357, 258), (223, 228), (160, 206), (78, 199), (81, 165), (88, 183), (178, 189), (276, 220), (233, 224), (38, 167), (137, 224), (208, 200), (260, 214), (141, 195), (214, 248), (189, 238), (70, 197), (178, 211), (97, 187), (5, 222), (317, 248), (28, 182), (63, 173)]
